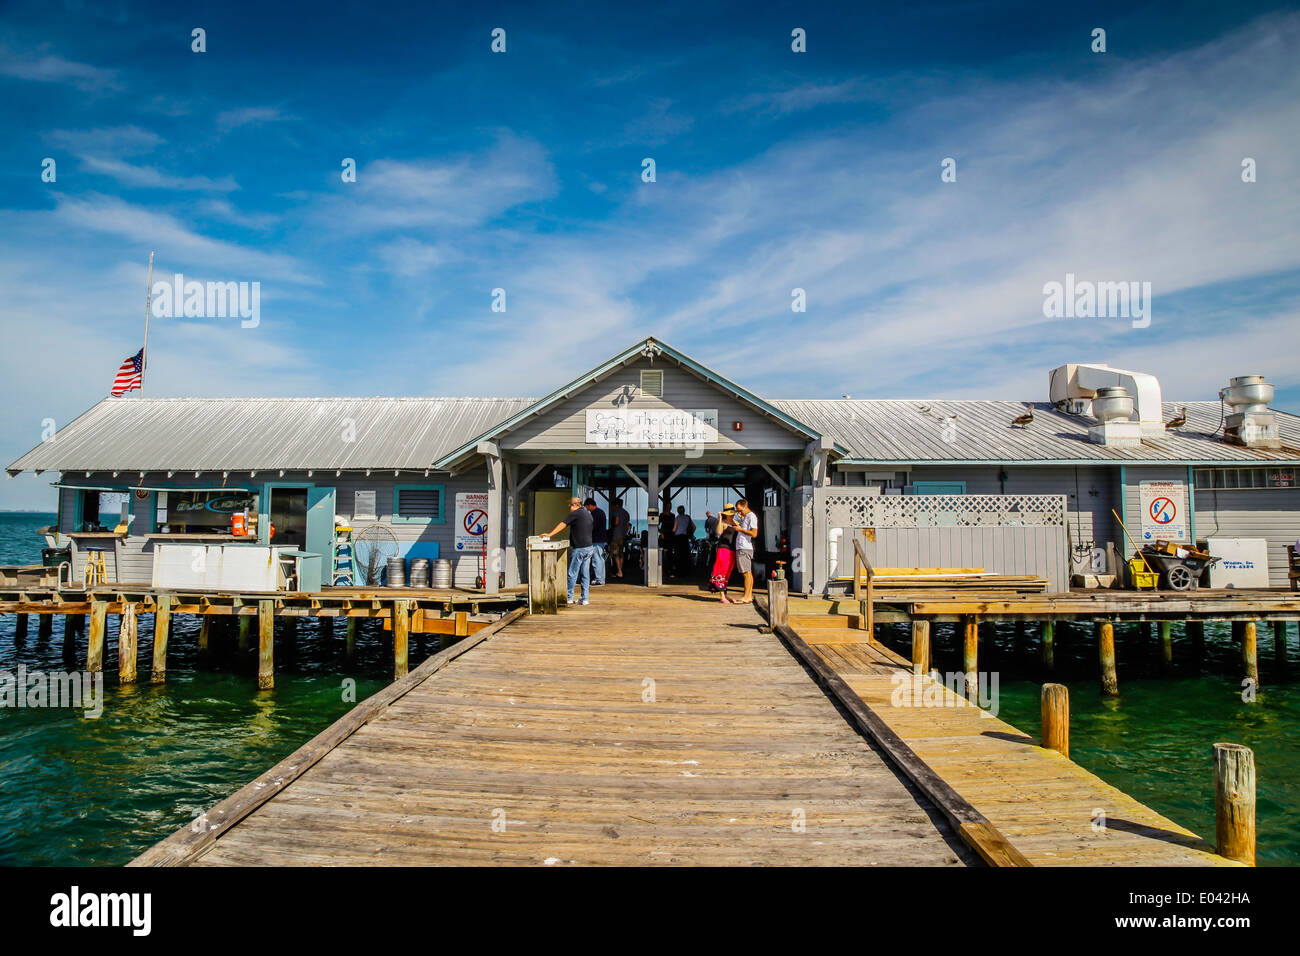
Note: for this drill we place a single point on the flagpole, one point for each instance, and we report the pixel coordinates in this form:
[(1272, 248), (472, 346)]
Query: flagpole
[(148, 303)]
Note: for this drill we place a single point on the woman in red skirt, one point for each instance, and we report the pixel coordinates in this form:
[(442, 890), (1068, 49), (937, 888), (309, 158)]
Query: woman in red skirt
[(726, 559)]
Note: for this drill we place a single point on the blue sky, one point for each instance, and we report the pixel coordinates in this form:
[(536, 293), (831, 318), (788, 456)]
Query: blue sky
[(522, 171)]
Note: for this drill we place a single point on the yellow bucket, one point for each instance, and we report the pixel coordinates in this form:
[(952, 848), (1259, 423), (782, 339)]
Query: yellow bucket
[(1140, 576)]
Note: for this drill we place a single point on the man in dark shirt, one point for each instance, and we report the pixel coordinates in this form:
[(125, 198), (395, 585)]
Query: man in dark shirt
[(579, 524), (598, 542)]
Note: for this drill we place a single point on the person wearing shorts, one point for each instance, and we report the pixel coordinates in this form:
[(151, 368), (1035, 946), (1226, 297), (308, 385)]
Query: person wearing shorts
[(619, 522), (746, 525)]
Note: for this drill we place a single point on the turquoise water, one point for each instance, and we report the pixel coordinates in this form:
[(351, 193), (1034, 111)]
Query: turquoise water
[(78, 791), (1154, 741)]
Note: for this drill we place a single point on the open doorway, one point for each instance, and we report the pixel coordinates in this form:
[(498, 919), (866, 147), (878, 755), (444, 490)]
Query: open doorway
[(288, 512)]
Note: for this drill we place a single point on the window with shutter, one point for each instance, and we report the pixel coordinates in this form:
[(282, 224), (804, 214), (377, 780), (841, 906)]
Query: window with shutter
[(652, 382), (417, 503)]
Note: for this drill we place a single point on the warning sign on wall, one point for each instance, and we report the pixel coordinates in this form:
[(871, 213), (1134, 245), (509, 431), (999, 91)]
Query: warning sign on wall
[(1164, 510), (471, 521)]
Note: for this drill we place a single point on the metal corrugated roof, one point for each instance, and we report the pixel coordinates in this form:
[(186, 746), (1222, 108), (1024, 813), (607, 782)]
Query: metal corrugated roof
[(879, 430), (209, 434)]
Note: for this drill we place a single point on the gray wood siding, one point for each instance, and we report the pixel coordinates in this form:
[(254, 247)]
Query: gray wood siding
[(564, 424), (1097, 488), (1269, 513)]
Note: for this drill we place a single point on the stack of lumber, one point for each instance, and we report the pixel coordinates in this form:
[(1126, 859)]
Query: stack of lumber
[(949, 579)]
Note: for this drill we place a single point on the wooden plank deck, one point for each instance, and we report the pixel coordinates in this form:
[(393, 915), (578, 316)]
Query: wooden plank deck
[(538, 746), (1042, 803)]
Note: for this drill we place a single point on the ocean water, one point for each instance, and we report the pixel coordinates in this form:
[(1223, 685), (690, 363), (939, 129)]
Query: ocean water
[(1154, 741), (76, 790)]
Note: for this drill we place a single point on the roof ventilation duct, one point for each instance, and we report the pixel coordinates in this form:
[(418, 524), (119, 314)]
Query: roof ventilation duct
[(1251, 423), (1126, 404)]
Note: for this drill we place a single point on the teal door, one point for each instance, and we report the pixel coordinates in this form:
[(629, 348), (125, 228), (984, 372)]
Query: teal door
[(320, 533)]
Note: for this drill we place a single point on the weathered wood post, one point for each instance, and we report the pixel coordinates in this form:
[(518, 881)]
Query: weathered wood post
[(95, 641), (1279, 644), (265, 645), (1049, 645), (1166, 646), (461, 624), (162, 627), (778, 602), (20, 628), (44, 626), (1106, 652), (326, 627), (401, 630), (1056, 718), (350, 640), (70, 637), (126, 646), (920, 645), (244, 641), (1195, 632), (1250, 652), (205, 637), (970, 656), (1234, 802)]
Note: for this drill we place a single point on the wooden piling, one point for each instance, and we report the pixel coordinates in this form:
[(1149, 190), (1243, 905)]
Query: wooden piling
[(1234, 802), (970, 656), (162, 626), (1106, 653), (1056, 718), (245, 640), (126, 645), (1049, 645), (205, 635), (1167, 646), (401, 630), (461, 624), (265, 645), (95, 642), (70, 637), (326, 627), (778, 602), (920, 646), (1250, 652), (1279, 644), (350, 649), (1195, 633), (44, 626), (20, 628)]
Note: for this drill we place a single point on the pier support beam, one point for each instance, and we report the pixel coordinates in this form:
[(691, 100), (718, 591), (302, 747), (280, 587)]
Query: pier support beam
[(265, 645), (350, 648), (1106, 652), (1056, 718), (1049, 645), (126, 645), (162, 627), (95, 642), (70, 629), (326, 628), (401, 631), (1195, 631), (44, 626), (970, 657), (20, 629), (920, 646), (245, 640), (778, 602), (1234, 802), (1279, 644), (1250, 652), (1167, 646), (205, 637)]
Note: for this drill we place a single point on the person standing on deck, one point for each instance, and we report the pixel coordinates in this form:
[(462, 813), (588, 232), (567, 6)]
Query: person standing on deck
[(682, 541), (746, 525), (598, 541), (725, 558), (579, 524), (620, 525)]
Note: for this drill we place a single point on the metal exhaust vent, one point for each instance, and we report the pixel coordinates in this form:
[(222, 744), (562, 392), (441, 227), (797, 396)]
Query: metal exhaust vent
[(652, 382)]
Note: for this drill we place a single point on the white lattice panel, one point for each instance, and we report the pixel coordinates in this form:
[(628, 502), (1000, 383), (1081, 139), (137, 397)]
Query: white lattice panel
[(855, 510)]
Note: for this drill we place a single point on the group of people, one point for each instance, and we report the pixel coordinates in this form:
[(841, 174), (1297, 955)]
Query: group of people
[(591, 533)]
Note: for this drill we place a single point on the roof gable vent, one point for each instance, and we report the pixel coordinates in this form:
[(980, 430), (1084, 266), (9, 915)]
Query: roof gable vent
[(652, 382)]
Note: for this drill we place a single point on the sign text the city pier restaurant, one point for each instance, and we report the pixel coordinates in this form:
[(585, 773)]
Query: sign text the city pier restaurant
[(651, 427)]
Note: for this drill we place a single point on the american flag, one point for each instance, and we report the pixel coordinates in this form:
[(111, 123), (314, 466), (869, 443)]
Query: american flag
[(129, 375)]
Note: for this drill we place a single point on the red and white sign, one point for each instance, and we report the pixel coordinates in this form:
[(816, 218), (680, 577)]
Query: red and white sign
[(471, 521)]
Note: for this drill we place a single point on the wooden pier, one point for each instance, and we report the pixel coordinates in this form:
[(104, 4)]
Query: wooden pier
[(403, 611), (657, 726)]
